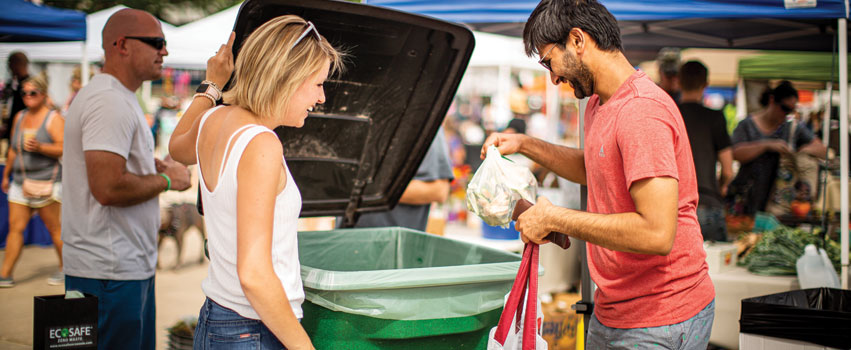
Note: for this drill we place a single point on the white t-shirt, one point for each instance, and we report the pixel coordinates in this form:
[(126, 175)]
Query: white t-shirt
[(107, 242)]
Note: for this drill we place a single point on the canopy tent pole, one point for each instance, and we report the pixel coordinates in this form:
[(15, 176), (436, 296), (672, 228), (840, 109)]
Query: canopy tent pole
[(553, 112), (825, 137), (741, 100), (500, 107), (84, 66), (585, 306), (843, 146)]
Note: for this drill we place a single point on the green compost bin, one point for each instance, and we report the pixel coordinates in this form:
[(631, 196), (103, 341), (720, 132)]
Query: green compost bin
[(395, 288)]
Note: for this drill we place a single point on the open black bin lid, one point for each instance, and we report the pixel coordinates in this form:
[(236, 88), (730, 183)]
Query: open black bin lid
[(358, 151)]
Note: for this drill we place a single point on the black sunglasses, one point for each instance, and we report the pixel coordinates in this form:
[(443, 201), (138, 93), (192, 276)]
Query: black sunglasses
[(30, 93), (544, 61), (155, 42)]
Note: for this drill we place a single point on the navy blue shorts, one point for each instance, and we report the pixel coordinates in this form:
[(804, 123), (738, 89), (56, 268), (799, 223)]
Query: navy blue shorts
[(126, 311)]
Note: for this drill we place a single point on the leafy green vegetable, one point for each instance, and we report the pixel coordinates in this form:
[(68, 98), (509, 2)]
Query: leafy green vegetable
[(778, 251)]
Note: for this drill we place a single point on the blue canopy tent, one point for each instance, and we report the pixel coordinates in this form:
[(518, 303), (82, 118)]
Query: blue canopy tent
[(648, 25), (516, 11), (21, 21)]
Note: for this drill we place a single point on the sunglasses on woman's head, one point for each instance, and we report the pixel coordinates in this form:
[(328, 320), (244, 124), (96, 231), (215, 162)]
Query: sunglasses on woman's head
[(30, 93), (310, 27), (154, 41)]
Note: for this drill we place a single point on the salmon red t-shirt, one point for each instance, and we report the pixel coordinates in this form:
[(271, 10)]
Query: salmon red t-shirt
[(638, 134)]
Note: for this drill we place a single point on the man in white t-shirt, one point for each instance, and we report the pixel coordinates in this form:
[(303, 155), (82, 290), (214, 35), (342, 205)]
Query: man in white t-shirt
[(110, 212)]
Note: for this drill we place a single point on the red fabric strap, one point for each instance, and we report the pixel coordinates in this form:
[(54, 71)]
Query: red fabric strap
[(527, 277), (530, 326)]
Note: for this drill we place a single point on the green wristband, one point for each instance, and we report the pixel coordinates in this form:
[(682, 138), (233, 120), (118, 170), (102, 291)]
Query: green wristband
[(168, 181)]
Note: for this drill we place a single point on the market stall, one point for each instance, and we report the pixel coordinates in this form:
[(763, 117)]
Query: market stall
[(20, 22), (647, 26), (811, 67)]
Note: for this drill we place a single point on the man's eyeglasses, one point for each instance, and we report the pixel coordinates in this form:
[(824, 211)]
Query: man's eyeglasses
[(310, 27), (30, 93), (544, 61), (155, 42)]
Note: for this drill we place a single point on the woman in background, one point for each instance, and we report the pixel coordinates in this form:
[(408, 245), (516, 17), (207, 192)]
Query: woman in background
[(35, 147)]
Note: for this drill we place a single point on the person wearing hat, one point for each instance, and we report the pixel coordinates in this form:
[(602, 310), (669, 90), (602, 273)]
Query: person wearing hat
[(669, 66)]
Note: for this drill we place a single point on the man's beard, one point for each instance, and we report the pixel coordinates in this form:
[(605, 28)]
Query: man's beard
[(582, 80)]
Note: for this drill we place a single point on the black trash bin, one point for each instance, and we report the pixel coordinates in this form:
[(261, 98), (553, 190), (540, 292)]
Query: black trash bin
[(820, 316)]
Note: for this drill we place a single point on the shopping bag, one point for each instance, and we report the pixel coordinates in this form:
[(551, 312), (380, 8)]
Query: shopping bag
[(496, 186), (60, 323), (519, 326), (797, 174)]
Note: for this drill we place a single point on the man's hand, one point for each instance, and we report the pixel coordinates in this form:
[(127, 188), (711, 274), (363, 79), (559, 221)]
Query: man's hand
[(178, 173), (220, 66), (160, 165), (505, 143), (778, 146), (533, 224)]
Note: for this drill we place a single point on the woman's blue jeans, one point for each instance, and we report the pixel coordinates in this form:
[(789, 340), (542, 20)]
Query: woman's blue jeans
[(222, 328)]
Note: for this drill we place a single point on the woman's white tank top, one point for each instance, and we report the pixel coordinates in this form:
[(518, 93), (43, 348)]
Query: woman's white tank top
[(222, 282)]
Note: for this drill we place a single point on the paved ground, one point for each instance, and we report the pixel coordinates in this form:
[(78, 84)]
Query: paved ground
[(178, 291)]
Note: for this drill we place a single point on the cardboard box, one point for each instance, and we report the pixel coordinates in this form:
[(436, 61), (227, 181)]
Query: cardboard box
[(561, 322), (720, 257)]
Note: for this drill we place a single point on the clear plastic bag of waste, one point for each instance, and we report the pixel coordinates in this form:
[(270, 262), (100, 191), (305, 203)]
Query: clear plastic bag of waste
[(496, 186)]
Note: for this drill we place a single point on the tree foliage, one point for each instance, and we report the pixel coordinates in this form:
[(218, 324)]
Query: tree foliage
[(159, 8)]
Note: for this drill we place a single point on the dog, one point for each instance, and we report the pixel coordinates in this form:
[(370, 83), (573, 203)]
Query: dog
[(175, 221)]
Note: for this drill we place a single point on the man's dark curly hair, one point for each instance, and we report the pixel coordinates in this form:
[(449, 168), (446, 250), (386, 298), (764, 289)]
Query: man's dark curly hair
[(552, 20)]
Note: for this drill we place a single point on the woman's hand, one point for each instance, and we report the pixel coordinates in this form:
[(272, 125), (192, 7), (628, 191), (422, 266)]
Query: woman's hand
[(5, 184), (32, 145), (181, 146), (220, 66)]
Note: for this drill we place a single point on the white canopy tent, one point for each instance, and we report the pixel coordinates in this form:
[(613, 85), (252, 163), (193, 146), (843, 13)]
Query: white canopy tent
[(70, 52), (191, 44)]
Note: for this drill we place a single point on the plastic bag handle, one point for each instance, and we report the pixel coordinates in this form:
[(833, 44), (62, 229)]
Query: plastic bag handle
[(560, 239), (530, 326), (517, 290)]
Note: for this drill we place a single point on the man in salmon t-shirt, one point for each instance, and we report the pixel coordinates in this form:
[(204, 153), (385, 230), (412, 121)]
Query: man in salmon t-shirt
[(645, 249)]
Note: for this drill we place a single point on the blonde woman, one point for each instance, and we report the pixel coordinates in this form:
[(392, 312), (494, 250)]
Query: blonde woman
[(34, 151), (251, 202)]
